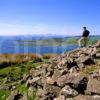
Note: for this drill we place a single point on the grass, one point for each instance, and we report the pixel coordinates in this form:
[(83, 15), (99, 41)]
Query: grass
[(21, 88), (4, 94), (14, 73), (89, 69)]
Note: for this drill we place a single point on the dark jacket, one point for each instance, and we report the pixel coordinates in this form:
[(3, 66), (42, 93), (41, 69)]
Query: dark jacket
[(85, 33)]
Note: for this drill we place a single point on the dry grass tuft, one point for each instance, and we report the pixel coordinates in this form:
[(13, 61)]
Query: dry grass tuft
[(48, 56), (18, 58)]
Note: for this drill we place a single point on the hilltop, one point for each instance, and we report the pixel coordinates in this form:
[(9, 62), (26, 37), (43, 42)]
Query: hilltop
[(73, 75)]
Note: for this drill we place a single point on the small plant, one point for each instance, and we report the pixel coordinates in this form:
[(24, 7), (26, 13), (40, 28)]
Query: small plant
[(36, 60)]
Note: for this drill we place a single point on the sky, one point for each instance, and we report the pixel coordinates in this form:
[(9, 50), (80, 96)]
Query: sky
[(60, 17)]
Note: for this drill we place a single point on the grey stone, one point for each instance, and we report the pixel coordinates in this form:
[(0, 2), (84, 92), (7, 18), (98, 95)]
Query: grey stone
[(5, 87), (87, 97), (32, 81), (49, 80), (41, 93), (56, 74), (87, 60), (93, 86), (62, 81), (52, 89), (83, 97), (68, 92), (61, 97), (98, 55)]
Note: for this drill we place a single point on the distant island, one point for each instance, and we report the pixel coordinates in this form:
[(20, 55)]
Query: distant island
[(55, 40)]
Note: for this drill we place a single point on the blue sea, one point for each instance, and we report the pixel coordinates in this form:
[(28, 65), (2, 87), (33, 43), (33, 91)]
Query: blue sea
[(10, 45)]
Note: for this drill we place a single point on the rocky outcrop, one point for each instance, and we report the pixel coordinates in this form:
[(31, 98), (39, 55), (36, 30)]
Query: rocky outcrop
[(69, 76), (93, 86)]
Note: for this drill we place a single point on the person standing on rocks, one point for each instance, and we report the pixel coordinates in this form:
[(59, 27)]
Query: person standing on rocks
[(83, 40)]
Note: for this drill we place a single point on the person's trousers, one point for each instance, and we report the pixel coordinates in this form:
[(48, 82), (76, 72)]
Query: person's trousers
[(83, 41)]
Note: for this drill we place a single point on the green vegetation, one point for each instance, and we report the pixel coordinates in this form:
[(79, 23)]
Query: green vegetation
[(56, 41), (92, 41), (4, 94), (13, 73), (89, 69)]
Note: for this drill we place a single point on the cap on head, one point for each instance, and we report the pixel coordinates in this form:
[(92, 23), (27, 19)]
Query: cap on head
[(84, 28)]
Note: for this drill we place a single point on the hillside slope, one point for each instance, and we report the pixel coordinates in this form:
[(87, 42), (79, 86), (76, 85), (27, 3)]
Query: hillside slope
[(73, 75)]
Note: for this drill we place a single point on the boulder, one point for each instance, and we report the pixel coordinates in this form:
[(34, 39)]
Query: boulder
[(32, 81), (52, 89), (37, 72), (93, 86), (98, 55), (49, 80), (87, 97), (87, 60), (79, 83), (70, 99), (41, 93), (96, 97), (56, 75), (5, 87), (61, 97), (62, 81), (83, 97), (68, 92)]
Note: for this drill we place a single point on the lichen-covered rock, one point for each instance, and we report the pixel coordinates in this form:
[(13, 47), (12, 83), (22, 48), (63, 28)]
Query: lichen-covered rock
[(52, 89)]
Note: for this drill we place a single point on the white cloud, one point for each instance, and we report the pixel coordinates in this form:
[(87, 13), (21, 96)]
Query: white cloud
[(15, 29)]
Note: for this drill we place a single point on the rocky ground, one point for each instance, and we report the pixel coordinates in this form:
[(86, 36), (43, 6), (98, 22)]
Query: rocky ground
[(72, 75)]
